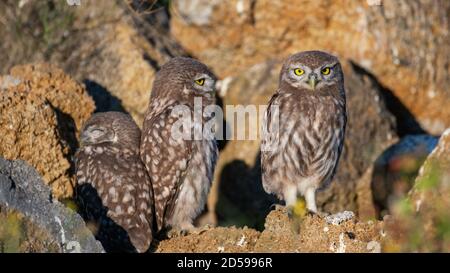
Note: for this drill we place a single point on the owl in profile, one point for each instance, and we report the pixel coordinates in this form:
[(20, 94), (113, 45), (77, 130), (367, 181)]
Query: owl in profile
[(302, 142), (181, 168), (113, 189)]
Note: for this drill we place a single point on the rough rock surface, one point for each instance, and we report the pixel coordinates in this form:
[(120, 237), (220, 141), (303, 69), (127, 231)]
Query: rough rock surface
[(420, 222), (311, 234), (396, 169), (403, 43), (18, 234), (22, 190), (102, 43), (41, 111), (237, 192)]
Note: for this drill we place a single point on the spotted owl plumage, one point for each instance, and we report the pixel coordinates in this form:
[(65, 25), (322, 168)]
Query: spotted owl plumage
[(181, 169), (113, 189), (303, 139)]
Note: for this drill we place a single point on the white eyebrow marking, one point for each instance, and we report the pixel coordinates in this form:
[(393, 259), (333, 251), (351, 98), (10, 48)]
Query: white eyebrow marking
[(202, 75)]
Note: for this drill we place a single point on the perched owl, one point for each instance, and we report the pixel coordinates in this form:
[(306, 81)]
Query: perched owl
[(301, 151), (113, 188), (181, 168)]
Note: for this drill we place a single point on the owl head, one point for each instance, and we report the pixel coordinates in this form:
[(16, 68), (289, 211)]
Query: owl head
[(311, 71), (184, 78), (111, 128)]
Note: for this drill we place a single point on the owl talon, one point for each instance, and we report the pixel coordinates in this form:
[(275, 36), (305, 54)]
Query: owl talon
[(184, 232), (173, 233), (278, 207), (317, 213)]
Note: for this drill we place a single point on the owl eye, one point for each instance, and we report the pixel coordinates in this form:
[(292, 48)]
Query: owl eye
[(326, 71), (299, 71), (200, 82), (96, 132)]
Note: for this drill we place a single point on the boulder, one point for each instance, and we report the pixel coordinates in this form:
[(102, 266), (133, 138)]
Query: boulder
[(41, 113), (403, 43), (32, 220), (107, 45), (283, 234), (396, 169), (420, 221)]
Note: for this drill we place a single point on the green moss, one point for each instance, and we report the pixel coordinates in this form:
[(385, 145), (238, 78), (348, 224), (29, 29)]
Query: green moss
[(405, 207), (431, 177), (11, 233)]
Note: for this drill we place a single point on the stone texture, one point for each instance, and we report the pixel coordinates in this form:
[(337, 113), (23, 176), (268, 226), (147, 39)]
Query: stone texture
[(237, 195), (396, 169), (22, 191), (41, 111), (104, 44), (420, 222), (403, 43), (281, 234)]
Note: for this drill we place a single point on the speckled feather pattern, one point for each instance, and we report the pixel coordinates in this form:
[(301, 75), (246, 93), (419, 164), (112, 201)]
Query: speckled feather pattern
[(311, 132), (113, 188), (181, 170)]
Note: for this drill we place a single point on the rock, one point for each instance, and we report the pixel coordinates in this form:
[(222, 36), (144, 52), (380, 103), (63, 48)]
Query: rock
[(365, 203), (340, 217), (104, 44), (281, 234), (215, 240), (41, 112), (237, 194), (60, 229), (396, 169), (403, 43), (316, 235), (420, 222), (63, 93)]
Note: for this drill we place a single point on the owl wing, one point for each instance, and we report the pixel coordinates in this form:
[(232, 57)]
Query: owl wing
[(88, 201), (268, 136), (165, 158), (136, 200), (111, 193), (270, 139)]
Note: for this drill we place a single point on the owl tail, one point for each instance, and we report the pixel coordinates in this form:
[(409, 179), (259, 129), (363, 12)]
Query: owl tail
[(141, 236)]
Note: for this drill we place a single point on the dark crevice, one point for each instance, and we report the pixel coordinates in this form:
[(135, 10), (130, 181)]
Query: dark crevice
[(104, 100), (405, 120)]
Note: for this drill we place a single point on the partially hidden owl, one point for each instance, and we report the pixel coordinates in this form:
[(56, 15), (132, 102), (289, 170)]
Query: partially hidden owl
[(181, 168), (304, 128), (113, 189)]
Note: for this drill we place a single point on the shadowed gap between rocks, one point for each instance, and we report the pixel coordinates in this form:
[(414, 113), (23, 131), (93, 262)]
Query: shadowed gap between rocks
[(67, 135), (246, 204), (104, 100), (405, 120)]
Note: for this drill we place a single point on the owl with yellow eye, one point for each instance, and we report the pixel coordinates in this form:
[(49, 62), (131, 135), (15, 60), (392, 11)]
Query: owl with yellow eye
[(180, 168), (301, 157)]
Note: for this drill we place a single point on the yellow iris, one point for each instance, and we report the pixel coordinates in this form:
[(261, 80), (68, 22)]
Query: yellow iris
[(299, 71), (326, 71), (200, 82)]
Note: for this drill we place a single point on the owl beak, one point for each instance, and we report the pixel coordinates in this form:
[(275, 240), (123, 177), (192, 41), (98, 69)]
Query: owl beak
[(83, 140), (313, 80)]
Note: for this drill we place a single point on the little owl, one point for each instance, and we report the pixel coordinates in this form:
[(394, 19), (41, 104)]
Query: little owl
[(181, 168), (302, 146), (113, 188)]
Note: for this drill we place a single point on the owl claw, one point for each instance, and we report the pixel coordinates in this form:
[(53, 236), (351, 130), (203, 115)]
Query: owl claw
[(278, 207), (317, 213), (189, 230), (173, 233)]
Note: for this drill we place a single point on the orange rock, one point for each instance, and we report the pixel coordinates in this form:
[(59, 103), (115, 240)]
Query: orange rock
[(41, 112), (404, 44)]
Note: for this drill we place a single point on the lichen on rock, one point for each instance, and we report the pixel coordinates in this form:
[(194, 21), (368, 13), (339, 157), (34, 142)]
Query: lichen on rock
[(38, 221)]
